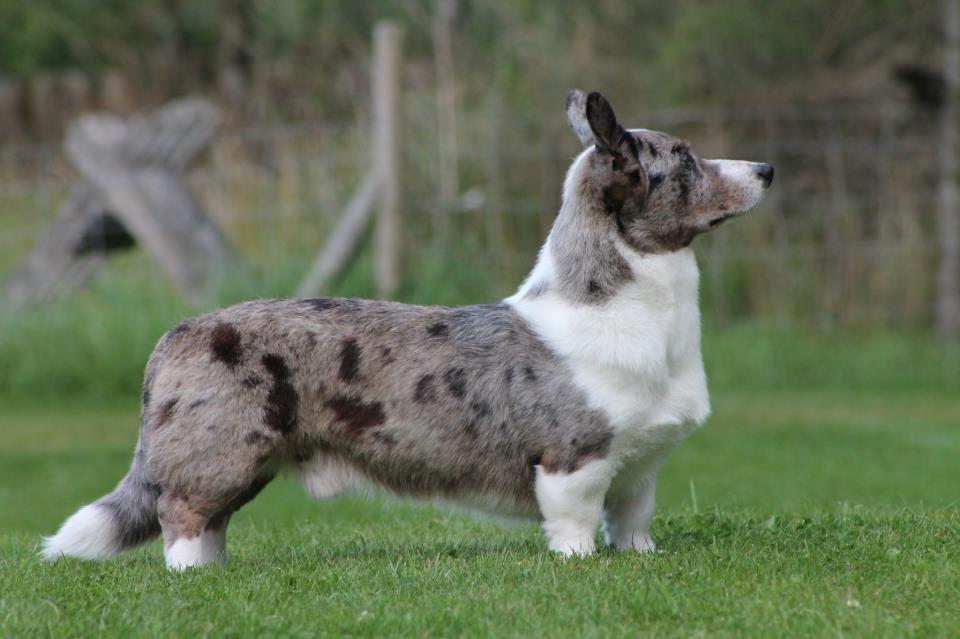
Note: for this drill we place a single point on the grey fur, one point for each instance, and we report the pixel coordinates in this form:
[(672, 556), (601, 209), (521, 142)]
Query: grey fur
[(645, 188), (133, 506), (470, 403), (575, 109), (427, 401), (590, 269)]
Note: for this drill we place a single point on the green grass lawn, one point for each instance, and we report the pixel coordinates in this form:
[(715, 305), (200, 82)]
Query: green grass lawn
[(813, 513)]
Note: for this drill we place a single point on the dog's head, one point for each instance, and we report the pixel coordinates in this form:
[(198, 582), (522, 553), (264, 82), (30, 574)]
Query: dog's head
[(652, 186)]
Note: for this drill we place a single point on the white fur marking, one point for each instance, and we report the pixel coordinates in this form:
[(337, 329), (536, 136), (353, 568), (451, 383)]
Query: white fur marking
[(90, 533), (572, 505), (325, 477), (209, 547), (744, 175), (636, 356)]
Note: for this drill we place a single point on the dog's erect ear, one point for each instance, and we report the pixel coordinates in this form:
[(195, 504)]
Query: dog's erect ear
[(592, 118), (576, 110), (610, 137)]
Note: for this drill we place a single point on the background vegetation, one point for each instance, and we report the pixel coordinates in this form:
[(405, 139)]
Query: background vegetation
[(821, 498)]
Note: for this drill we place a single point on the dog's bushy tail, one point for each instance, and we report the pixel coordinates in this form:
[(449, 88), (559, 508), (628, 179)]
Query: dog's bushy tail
[(125, 518)]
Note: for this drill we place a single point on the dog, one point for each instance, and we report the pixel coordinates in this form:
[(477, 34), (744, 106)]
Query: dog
[(559, 403)]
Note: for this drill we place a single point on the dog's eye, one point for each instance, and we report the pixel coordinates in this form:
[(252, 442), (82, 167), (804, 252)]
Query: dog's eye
[(689, 163)]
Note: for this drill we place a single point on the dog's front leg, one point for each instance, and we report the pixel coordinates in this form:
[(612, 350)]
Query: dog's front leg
[(629, 511), (572, 505)]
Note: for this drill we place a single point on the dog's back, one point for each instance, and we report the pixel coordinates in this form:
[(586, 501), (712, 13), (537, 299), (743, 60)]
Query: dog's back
[(561, 402)]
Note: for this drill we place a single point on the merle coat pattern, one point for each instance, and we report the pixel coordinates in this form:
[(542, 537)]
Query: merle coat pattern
[(503, 405)]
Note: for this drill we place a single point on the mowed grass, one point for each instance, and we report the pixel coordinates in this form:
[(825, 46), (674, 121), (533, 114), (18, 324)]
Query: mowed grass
[(813, 513)]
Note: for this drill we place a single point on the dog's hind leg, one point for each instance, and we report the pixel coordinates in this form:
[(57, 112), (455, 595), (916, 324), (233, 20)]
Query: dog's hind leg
[(572, 505), (193, 536)]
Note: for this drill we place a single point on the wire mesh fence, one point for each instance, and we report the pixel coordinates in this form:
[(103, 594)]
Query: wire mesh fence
[(846, 236)]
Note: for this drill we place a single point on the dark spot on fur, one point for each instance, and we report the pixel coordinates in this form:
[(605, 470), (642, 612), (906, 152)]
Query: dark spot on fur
[(683, 189), (614, 196), (145, 397), (252, 381), (424, 391), (508, 376), (225, 344), (280, 412), (165, 412), (593, 288), (438, 329), (386, 439), (571, 458), (241, 499), (356, 415), (654, 182), (387, 354), (197, 403), (653, 150), (529, 374), (470, 428), (321, 303), (594, 447), (180, 328), (480, 409), (311, 339), (456, 379), (255, 437), (349, 360)]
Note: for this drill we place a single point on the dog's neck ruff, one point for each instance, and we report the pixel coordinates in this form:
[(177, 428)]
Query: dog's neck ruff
[(637, 354)]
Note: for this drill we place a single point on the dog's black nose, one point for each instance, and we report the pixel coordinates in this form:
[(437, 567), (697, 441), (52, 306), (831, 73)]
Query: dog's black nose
[(765, 173)]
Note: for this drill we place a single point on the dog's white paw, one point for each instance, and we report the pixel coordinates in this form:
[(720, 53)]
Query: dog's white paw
[(642, 544), (576, 546)]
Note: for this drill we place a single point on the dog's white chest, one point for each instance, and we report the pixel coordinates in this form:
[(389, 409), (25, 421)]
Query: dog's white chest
[(636, 356)]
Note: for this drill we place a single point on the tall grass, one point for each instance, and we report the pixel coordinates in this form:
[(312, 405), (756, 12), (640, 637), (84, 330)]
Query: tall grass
[(94, 344)]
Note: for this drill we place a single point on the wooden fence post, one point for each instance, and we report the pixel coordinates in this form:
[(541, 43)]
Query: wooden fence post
[(381, 184), (948, 276), (386, 108)]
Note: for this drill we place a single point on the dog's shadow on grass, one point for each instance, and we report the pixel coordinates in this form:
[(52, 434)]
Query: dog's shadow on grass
[(373, 550)]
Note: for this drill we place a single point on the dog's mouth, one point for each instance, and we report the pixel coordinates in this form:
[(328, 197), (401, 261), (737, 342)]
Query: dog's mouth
[(723, 217), (717, 221)]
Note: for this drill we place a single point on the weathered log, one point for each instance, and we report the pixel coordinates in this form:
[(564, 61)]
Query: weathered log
[(56, 265), (132, 173)]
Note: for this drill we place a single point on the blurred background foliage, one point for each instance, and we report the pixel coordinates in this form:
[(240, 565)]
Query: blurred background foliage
[(831, 281), (661, 54)]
